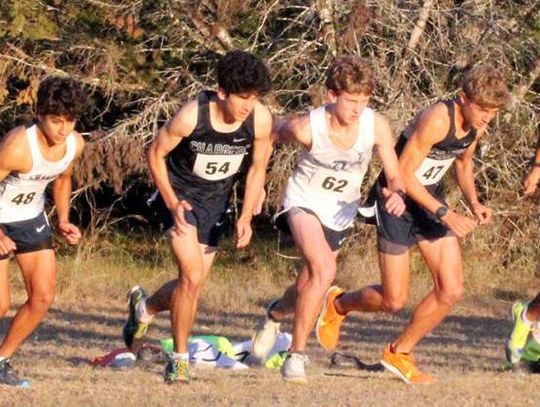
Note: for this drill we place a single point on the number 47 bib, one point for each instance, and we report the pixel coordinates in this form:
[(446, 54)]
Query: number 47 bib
[(216, 167), (431, 171)]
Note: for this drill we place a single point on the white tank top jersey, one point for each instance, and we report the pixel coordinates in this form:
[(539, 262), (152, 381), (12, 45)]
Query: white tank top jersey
[(328, 180), (22, 196)]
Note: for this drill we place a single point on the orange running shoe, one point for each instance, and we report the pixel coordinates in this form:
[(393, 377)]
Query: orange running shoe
[(403, 366), (329, 321)]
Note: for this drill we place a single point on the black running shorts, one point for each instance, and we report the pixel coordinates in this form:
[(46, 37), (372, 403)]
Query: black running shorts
[(335, 238), (210, 224), (395, 234), (30, 235)]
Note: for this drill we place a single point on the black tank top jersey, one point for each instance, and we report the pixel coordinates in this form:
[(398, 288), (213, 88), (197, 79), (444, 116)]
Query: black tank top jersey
[(450, 146), (204, 165), (447, 148)]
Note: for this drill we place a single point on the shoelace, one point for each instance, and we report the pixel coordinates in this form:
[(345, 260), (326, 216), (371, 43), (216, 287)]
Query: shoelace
[(182, 368), (305, 358), (411, 362)]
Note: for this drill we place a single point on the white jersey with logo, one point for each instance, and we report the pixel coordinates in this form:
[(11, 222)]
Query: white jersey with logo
[(22, 195), (327, 179)]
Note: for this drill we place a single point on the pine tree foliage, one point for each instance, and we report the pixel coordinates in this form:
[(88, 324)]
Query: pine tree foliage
[(141, 59)]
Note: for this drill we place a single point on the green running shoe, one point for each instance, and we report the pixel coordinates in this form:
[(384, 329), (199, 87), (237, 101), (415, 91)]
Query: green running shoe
[(177, 371), (134, 330), (519, 335), (10, 377)]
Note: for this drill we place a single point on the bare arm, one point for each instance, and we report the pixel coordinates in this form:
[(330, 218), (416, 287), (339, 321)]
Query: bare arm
[(293, 130), (262, 148), (431, 128), (168, 137), (466, 180), (384, 142), (14, 157), (14, 153), (62, 195)]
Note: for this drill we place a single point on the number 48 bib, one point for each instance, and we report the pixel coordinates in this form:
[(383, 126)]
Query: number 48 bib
[(216, 167)]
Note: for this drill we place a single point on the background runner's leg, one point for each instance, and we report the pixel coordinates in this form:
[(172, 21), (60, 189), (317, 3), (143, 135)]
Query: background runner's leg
[(390, 295), (5, 295)]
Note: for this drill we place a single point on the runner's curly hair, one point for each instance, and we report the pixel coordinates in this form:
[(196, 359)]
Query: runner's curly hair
[(60, 95), (240, 71)]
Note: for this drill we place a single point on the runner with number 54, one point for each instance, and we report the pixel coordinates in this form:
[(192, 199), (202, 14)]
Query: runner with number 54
[(194, 161), (31, 158)]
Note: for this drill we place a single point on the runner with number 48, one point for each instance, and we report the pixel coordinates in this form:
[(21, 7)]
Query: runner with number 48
[(31, 158)]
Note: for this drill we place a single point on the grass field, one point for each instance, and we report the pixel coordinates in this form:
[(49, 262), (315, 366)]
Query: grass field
[(464, 353)]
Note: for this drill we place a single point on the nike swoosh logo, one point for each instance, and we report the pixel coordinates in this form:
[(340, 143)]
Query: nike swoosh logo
[(40, 228), (218, 224), (238, 140)]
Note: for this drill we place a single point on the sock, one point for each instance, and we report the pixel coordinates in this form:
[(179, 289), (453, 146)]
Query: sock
[(335, 302), (180, 356), (142, 313), (393, 350), (269, 312), (524, 318)]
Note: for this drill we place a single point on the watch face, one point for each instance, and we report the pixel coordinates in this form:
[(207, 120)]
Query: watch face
[(443, 210)]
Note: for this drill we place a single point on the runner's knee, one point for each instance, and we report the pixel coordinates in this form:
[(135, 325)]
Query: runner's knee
[(450, 295), (323, 271), (192, 283), (41, 302), (394, 305)]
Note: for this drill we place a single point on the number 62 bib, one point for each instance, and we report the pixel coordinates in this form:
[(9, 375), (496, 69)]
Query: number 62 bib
[(338, 183)]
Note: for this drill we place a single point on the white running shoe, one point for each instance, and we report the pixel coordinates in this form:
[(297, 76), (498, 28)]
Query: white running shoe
[(264, 338), (293, 369)]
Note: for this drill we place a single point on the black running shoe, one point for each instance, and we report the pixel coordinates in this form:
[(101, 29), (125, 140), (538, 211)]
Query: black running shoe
[(134, 330), (177, 371), (9, 376)]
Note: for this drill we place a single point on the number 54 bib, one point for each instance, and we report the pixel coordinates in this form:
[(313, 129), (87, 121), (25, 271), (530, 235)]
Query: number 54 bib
[(216, 167)]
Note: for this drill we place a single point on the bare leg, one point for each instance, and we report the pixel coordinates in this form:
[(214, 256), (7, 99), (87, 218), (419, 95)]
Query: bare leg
[(443, 257), (161, 299), (39, 273), (287, 303), (321, 269), (194, 261), (390, 296), (5, 295)]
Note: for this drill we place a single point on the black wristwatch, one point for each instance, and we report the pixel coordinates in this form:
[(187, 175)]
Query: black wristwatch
[(441, 212)]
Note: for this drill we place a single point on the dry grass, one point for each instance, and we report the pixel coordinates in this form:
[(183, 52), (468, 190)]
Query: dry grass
[(464, 352)]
